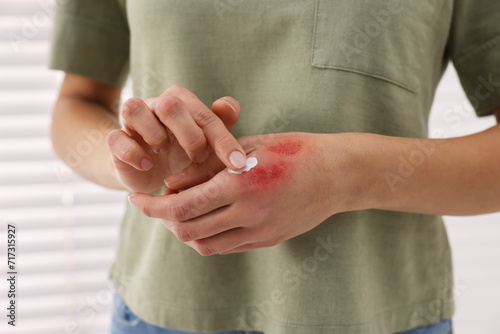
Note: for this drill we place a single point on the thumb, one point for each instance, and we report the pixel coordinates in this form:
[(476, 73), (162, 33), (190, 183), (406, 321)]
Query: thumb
[(228, 109)]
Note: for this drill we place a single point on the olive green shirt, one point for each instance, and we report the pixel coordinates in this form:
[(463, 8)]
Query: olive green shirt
[(323, 66)]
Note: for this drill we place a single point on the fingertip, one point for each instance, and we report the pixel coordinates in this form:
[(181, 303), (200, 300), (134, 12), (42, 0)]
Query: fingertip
[(169, 104), (131, 106), (227, 109), (229, 104), (132, 102), (146, 164), (233, 103), (132, 200), (110, 138), (238, 160), (226, 101)]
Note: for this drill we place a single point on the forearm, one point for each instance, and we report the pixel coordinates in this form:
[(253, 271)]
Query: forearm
[(458, 176), (79, 130)]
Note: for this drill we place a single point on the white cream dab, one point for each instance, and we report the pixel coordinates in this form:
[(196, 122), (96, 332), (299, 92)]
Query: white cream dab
[(251, 163)]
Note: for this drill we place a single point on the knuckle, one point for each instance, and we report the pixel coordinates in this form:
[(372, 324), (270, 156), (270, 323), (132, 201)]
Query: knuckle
[(200, 200), (213, 191), (181, 232), (157, 138), (203, 248), (268, 232), (271, 236), (174, 89), (170, 106), (205, 118), (197, 142), (112, 139), (247, 142), (146, 211), (270, 243), (131, 107), (167, 223), (127, 154), (179, 212)]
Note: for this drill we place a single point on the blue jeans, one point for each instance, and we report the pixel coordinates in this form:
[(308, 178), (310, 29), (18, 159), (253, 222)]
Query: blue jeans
[(442, 327), (124, 321)]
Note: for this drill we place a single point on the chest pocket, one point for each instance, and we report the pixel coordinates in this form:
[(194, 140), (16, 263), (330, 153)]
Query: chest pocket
[(386, 40)]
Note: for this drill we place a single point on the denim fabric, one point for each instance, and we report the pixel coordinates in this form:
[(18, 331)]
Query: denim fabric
[(125, 321), (442, 327)]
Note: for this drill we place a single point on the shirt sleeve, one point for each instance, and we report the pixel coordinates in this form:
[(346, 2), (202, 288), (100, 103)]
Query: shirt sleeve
[(474, 47), (91, 38)]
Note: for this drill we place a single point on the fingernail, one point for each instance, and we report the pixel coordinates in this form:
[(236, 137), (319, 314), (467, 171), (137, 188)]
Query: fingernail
[(174, 178), (202, 156), (132, 202), (146, 164), (229, 104), (237, 159)]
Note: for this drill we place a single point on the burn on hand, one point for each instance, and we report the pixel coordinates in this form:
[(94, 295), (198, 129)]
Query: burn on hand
[(279, 162)]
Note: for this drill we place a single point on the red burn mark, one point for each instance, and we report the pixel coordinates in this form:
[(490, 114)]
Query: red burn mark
[(266, 175), (289, 147)]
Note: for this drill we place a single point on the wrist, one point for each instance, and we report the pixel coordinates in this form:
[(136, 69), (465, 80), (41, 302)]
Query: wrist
[(349, 166)]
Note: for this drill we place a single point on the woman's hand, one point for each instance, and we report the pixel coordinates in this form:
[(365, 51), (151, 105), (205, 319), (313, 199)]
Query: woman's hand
[(288, 193), (162, 136), (301, 179)]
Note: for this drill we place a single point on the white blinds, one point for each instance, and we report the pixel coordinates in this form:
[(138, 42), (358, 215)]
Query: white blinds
[(66, 227)]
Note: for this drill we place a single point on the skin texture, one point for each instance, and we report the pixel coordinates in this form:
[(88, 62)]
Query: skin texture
[(267, 175), (86, 105), (332, 173), (232, 213), (289, 147), (301, 178), (159, 137)]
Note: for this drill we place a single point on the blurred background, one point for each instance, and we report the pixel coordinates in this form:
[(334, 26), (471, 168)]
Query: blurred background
[(67, 228)]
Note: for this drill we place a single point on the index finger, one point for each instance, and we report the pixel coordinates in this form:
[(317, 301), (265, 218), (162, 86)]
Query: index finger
[(191, 203), (225, 146)]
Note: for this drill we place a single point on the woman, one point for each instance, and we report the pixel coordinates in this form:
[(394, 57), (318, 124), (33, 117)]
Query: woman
[(337, 228)]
